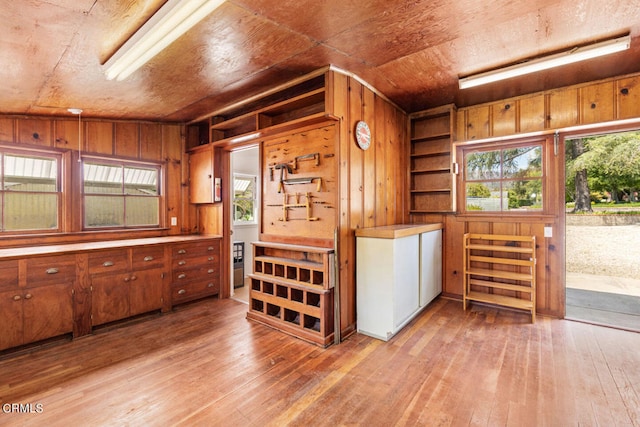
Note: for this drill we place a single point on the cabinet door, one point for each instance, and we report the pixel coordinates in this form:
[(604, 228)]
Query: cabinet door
[(145, 293), (109, 298), (201, 176), (48, 312), (430, 266), (10, 319)]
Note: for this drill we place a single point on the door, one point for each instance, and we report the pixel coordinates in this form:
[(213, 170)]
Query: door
[(48, 311), (201, 176), (602, 216), (109, 298), (245, 212), (145, 293), (11, 319)]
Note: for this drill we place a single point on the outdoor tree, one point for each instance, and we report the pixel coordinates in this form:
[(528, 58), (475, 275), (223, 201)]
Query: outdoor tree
[(582, 195), (612, 163)]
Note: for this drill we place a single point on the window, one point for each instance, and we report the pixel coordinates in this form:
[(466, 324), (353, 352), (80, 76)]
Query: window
[(30, 191), (244, 199), (505, 179), (120, 194)]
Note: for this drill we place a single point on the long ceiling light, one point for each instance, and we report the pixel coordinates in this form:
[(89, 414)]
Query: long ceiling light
[(173, 19), (574, 55)]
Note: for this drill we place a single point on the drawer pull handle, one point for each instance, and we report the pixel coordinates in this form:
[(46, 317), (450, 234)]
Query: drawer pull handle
[(148, 258), (181, 276), (52, 270), (134, 277), (126, 279), (210, 258), (28, 296), (182, 262), (210, 285), (17, 297), (107, 264), (182, 251), (182, 292), (210, 248), (210, 271)]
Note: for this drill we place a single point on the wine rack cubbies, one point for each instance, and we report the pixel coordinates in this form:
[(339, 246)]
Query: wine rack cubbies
[(292, 290)]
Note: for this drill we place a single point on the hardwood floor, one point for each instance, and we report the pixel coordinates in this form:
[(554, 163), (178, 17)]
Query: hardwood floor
[(205, 364)]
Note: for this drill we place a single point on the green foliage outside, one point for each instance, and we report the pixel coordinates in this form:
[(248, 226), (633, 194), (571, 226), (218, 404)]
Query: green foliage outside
[(612, 163)]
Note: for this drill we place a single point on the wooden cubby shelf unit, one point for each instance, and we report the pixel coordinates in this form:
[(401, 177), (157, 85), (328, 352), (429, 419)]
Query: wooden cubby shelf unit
[(432, 180), (292, 290), (500, 270)]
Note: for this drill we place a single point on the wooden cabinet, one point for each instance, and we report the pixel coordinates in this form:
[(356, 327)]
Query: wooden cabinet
[(432, 183), (195, 271), (500, 270), (123, 284), (201, 188), (36, 299), (399, 272), (47, 291), (11, 319), (292, 290)]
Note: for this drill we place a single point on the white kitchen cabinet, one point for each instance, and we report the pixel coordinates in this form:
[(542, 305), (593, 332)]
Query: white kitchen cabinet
[(399, 272)]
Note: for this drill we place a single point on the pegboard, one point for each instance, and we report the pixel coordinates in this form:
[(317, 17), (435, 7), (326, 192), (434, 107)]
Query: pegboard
[(299, 171)]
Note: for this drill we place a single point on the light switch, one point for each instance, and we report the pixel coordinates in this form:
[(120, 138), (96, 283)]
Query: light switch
[(548, 232), (174, 221)]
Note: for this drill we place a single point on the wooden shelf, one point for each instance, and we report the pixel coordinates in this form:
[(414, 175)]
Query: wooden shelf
[(419, 211), (431, 138), (431, 154), (500, 270), (298, 107), (292, 290), (439, 170), (501, 300), (261, 115), (435, 190), (279, 128)]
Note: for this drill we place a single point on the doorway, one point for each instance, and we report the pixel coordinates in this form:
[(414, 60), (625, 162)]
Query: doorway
[(602, 218), (245, 212)]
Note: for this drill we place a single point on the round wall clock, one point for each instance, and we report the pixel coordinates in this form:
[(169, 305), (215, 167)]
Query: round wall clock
[(363, 134)]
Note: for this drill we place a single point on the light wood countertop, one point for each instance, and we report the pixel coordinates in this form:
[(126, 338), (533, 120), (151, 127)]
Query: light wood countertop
[(11, 253), (397, 231)]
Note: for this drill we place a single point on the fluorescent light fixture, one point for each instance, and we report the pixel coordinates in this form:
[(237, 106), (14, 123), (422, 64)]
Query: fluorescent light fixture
[(245, 138), (574, 55), (173, 19)]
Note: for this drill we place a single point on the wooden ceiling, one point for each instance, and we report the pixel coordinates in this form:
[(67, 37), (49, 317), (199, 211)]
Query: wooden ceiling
[(412, 51)]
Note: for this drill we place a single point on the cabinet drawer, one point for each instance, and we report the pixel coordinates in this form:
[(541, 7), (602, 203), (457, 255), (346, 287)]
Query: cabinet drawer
[(8, 274), (211, 259), (194, 249), (194, 290), (202, 273), (51, 269), (108, 261), (148, 257)]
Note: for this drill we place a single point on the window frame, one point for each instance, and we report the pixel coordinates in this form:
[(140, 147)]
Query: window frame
[(255, 200), (59, 191), (462, 149), (124, 163)]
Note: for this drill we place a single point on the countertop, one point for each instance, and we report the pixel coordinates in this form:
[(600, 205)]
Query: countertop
[(20, 252), (398, 230)]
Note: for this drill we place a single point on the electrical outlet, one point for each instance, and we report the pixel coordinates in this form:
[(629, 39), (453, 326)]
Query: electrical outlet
[(174, 221), (548, 232)]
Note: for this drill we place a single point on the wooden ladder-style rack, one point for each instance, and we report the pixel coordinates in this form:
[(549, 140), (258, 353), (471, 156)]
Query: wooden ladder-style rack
[(500, 270)]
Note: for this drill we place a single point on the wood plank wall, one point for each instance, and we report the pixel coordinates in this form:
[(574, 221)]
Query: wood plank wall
[(595, 102), (373, 183), (145, 141), (545, 112)]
